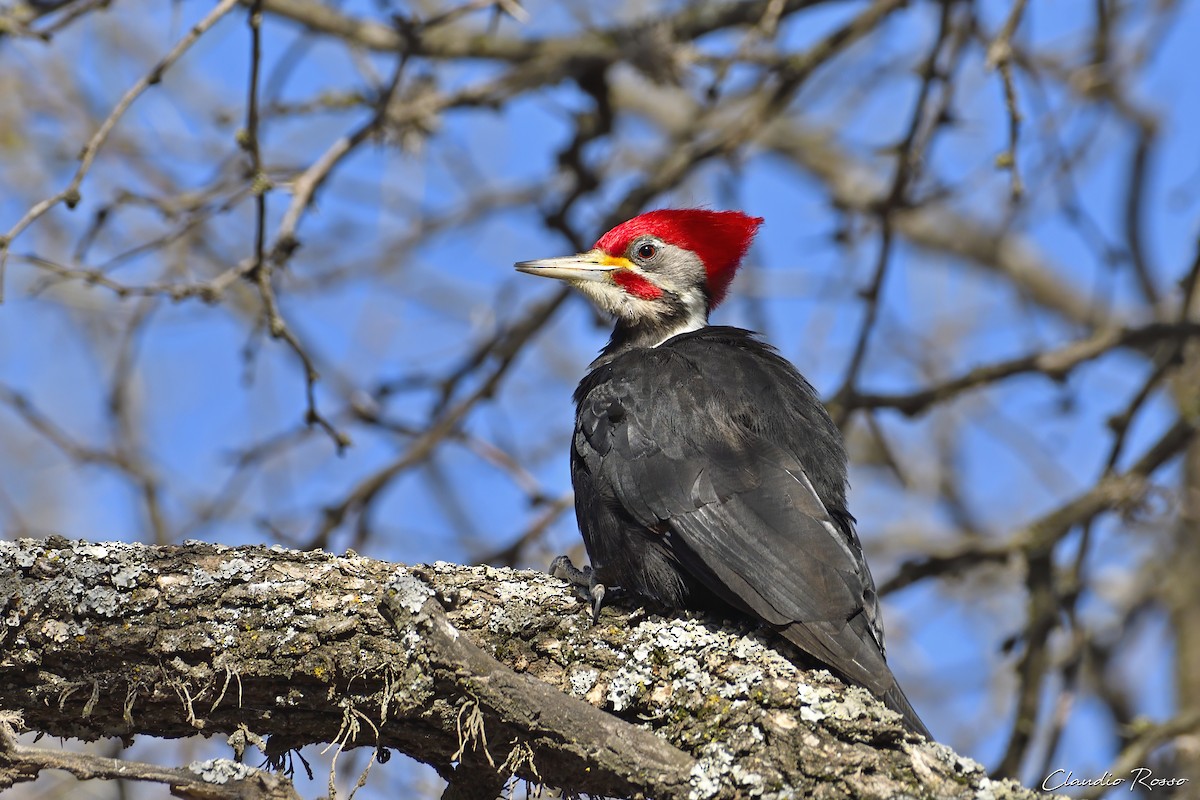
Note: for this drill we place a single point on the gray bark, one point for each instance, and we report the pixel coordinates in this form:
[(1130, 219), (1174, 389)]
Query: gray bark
[(491, 672)]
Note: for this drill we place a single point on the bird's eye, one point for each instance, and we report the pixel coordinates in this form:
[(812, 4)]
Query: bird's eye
[(647, 251)]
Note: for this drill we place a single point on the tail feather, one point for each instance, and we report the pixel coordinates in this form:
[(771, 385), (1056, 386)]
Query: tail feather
[(895, 699), (856, 658)]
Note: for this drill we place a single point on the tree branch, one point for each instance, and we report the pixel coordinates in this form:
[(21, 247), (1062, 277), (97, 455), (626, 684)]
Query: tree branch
[(473, 667), (202, 780)]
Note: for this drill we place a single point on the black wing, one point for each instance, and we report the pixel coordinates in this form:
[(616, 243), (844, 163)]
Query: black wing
[(711, 454)]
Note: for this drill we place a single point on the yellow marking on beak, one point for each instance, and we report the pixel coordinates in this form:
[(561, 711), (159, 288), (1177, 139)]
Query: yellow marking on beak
[(620, 262)]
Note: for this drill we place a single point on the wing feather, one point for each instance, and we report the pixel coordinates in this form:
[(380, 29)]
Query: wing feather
[(709, 459)]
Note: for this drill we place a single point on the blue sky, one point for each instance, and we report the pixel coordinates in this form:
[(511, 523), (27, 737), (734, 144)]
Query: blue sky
[(1023, 447)]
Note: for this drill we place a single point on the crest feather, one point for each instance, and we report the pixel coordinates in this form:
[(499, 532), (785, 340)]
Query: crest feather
[(719, 238)]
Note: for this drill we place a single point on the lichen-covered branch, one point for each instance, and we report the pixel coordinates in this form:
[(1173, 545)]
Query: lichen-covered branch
[(460, 667)]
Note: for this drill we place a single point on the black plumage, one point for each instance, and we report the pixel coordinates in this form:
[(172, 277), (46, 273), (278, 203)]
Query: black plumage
[(707, 474)]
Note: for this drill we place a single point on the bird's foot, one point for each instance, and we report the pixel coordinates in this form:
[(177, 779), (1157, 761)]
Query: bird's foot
[(585, 583)]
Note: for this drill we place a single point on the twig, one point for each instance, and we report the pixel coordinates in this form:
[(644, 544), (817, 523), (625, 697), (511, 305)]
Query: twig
[(1043, 534), (1135, 753), (906, 169), (1000, 56), (71, 195), (1054, 364), (439, 429), (215, 779)]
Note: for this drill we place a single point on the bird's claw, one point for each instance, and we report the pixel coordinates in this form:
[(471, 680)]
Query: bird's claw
[(584, 581), (597, 594)]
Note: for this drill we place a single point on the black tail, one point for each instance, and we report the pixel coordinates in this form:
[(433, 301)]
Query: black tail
[(894, 699)]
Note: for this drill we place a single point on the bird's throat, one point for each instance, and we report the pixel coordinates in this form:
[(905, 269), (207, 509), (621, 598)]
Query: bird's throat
[(634, 335)]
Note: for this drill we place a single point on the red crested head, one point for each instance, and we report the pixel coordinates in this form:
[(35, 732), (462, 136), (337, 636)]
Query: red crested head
[(718, 238)]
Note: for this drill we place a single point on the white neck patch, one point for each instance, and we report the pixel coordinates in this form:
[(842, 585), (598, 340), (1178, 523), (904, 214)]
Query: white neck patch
[(686, 327), (697, 315)]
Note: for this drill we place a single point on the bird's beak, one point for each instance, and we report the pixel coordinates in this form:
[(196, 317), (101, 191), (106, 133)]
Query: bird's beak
[(594, 265)]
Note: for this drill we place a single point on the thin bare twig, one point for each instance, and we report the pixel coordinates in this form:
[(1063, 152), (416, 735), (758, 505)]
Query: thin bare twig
[(1000, 57), (1055, 364), (908, 158), (216, 779), (70, 195)]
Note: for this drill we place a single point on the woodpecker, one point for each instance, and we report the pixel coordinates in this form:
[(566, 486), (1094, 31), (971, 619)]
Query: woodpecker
[(707, 473)]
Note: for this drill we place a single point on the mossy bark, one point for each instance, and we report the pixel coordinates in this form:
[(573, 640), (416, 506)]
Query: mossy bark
[(460, 667)]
